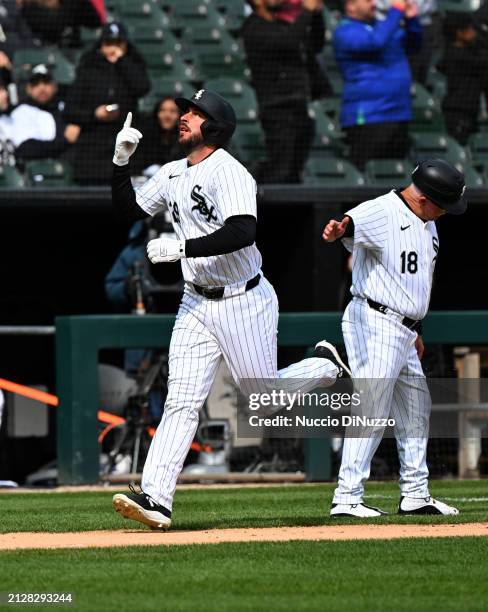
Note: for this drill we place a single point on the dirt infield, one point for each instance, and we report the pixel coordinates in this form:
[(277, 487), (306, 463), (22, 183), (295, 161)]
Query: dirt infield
[(105, 539)]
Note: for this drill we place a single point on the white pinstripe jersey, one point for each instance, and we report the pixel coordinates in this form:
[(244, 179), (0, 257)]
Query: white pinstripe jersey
[(200, 198), (394, 255)]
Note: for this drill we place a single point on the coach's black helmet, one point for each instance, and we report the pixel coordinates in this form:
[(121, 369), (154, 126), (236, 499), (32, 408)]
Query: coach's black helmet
[(443, 184), (221, 123)]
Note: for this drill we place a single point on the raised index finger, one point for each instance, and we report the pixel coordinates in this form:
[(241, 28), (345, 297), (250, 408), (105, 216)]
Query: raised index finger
[(128, 121)]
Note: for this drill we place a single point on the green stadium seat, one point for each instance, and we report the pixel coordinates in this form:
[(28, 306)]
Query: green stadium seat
[(165, 63), (25, 59), (234, 12), (427, 120), (239, 94), (472, 176), (132, 12), (478, 143), (48, 173), (324, 124), (211, 65), (205, 39), (164, 87), (459, 6), (430, 144), (188, 14), (10, 178), (249, 143), (149, 35), (388, 172), (332, 173)]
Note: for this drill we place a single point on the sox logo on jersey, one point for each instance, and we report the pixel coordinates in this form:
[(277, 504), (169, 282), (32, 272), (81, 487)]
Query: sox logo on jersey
[(240, 328)]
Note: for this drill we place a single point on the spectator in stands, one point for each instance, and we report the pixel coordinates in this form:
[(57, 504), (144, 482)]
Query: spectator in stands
[(16, 34), (320, 86), (465, 64), (431, 23), (37, 128), (7, 148), (372, 57), (109, 81), (161, 135), (277, 53), (59, 21)]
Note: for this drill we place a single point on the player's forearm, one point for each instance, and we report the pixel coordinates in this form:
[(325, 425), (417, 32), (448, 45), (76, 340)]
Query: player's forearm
[(237, 233), (123, 195)]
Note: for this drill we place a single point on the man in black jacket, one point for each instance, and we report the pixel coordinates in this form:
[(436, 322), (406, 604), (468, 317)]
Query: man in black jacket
[(277, 53), (110, 79), (465, 65)]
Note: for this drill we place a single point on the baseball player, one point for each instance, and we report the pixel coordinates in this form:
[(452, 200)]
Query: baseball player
[(394, 245), (228, 311)]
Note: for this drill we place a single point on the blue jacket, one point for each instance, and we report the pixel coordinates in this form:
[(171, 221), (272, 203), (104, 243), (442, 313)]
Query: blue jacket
[(372, 58)]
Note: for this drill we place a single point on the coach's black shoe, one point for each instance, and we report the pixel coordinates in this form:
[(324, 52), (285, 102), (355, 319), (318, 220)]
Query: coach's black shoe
[(328, 351), (142, 508), (424, 505)]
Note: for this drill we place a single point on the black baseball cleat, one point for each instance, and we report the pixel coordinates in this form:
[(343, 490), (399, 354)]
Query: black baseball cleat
[(326, 350), (424, 505), (142, 508)]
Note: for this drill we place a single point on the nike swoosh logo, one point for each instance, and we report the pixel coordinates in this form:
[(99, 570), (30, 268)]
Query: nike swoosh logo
[(173, 176), (402, 228)]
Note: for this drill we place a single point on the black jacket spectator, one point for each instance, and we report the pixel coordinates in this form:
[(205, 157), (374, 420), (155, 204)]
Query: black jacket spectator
[(16, 34), (100, 82), (60, 24), (277, 53), (465, 64)]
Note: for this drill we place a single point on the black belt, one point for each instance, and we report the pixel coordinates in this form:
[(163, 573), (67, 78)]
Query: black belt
[(216, 293), (412, 324)]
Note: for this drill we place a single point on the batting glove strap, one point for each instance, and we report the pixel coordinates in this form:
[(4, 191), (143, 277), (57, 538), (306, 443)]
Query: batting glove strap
[(165, 250)]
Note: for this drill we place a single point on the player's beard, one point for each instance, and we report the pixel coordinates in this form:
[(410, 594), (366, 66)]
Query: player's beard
[(192, 143)]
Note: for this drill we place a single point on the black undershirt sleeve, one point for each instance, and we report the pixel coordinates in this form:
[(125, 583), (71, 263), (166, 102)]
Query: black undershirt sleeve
[(124, 196), (237, 233), (349, 233)]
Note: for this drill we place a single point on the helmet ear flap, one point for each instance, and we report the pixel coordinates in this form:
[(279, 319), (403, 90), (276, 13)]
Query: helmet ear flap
[(215, 132)]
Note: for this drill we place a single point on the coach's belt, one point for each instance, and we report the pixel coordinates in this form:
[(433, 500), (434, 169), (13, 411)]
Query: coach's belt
[(216, 293), (412, 324)]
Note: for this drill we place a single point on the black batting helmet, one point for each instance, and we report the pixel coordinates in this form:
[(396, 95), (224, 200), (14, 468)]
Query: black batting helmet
[(443, 184), (221, 122)]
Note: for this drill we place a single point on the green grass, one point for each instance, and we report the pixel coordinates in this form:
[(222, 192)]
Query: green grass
[(402, 575), (229, 507)]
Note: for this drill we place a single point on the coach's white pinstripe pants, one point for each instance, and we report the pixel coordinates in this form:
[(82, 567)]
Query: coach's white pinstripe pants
[(381, 349), (243, 331)]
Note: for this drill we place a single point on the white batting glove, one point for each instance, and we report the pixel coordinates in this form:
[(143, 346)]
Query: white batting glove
[(164, 250), (126, 142)]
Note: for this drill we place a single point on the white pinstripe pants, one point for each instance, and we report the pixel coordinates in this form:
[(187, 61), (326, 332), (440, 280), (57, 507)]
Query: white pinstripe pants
[(242, 330), (379, 346)]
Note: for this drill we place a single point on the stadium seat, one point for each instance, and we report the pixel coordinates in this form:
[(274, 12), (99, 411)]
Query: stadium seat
[(473, 177), (430, 144), (459, 6), (389, 172), (234, 12), (188, 14), (48, 173), (204, 39), (249, 144), (10, 178), (332, 173), (165, 63), (152, 35), (478, 143), (215, 64), (324, 124), (133, 12), (164, 87), (239, 94), (25, 59)]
